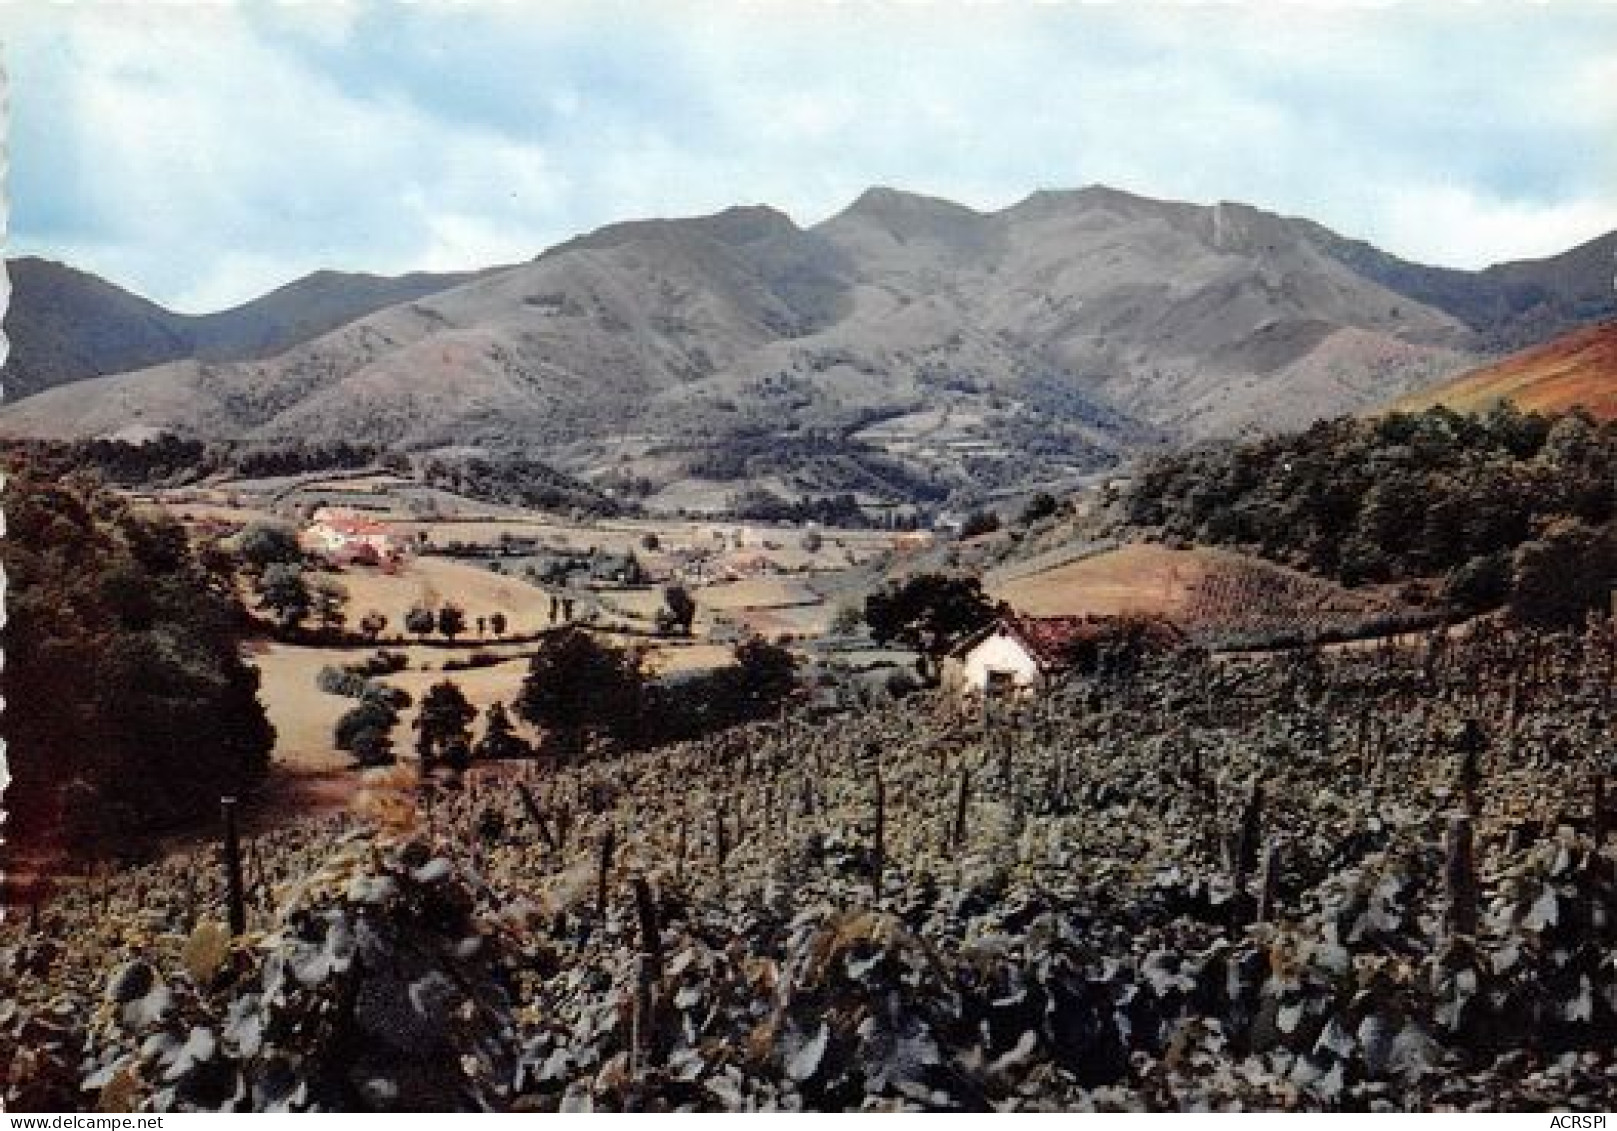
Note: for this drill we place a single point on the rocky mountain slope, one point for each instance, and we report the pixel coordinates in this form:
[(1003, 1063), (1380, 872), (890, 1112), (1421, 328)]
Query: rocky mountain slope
[(1508, 305), (66, 325), (1577, 368), (906, 341)]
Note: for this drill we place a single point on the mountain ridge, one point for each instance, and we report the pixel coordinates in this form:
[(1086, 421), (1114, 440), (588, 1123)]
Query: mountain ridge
[(968, 349), (66, 324)]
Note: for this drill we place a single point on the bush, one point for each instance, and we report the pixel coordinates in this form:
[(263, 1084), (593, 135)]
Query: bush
[(1480, 584), (979, 523), (901, 685), (1042, 505), (373, 747), (394, 697), (380, 663), (263, 544), (1560, 576), (475, 660), (846, 620), (369, 715), (338, 681)]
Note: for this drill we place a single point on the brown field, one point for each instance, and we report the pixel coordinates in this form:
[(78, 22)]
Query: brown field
[(665, 659), (1143, 578), (216, 512), (437, 581), (808, 620), (756, 593), (1198, 588), (304, 716), (1576, 369)]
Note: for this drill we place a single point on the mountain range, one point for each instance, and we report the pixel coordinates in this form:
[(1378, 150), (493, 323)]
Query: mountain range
[(67, 325), (905, 344)]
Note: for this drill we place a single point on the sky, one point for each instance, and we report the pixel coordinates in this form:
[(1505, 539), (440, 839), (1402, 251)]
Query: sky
[(203, 153)]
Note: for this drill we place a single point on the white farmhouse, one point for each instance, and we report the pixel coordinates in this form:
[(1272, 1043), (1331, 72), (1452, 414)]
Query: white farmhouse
[(341, 533), (1012, 655), (1018, 655)]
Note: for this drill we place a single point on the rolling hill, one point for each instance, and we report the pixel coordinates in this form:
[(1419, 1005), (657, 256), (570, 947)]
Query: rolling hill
[(1213, 594), (1575, 369), (906, 345), (67, 325)]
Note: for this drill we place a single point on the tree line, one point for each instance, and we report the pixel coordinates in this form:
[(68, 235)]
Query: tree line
[(175, 460), (580, 691)]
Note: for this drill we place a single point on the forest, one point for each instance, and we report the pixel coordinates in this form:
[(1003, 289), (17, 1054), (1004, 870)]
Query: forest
[(128, 706), (1503, 509)]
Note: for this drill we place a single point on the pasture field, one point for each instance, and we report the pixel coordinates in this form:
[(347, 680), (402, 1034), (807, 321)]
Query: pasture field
[(1141, 578), (1204, 590), (434, 581)]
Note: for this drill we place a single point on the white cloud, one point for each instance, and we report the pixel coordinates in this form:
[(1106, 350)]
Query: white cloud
[(203, 154), (1448, 224)]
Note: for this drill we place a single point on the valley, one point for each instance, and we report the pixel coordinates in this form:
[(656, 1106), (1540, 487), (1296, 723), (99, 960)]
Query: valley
[(924, 662), (805, 557)]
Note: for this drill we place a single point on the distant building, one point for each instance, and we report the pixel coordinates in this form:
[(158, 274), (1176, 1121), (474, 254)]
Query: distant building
[(742, 565), (913, 542), (344, 535)]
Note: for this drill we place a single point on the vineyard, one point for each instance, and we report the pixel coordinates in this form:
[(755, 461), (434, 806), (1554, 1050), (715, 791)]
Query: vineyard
[(1221, 598), (1247, 601), (1366, 880)]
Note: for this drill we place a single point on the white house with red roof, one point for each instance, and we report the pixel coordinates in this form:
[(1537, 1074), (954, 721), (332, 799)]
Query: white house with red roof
[(1013, 654), (1021, 654), (346, 534)]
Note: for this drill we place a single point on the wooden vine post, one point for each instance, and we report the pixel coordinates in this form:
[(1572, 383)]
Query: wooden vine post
[(879, 854), (957, 835), (1268, 882), (234, 893), (648, 972), (1460, 879), (609, 844), (1246, 851), (721, 841)]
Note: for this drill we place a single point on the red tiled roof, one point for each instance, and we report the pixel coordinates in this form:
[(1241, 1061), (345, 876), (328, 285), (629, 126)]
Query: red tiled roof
[(354, 526), (1051, 640)]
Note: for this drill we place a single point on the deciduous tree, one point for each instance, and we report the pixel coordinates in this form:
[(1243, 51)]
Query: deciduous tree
[(928, 610), (578, 685), (284, 592), (420, 620), (442, 720), (451, 621)]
